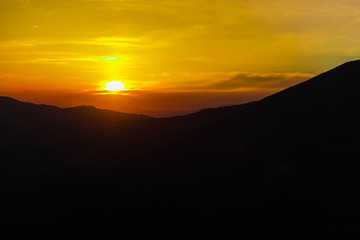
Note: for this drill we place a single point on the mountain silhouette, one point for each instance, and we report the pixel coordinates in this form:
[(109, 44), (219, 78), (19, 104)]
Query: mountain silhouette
[(12, 108), (284, 167)]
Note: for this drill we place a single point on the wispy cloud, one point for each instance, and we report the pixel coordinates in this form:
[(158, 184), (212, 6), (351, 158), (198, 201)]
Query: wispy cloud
[(261, 80), (238, 81)]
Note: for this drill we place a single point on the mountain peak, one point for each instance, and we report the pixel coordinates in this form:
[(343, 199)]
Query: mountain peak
[(355, 62), (82, 108), (7, 99), (338, 84)]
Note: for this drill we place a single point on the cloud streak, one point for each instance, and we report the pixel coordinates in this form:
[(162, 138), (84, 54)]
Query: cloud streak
[(261, 80)]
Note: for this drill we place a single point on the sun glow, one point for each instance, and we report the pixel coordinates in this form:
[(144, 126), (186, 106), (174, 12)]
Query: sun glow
[(114, 86)]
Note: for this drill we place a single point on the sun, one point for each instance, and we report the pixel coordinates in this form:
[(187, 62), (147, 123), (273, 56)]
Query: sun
[(114, 86)]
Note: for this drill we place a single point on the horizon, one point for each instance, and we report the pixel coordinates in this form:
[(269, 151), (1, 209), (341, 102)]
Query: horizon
[(170, 113), (164, 58)]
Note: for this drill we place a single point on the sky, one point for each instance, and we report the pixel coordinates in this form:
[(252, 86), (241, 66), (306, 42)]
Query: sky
[(171, 56)]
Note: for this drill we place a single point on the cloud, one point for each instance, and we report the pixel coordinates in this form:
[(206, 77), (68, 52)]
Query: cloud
[(261, 80), (102, 41)]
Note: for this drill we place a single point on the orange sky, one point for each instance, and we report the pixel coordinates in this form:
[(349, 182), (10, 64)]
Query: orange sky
[(170, 55)]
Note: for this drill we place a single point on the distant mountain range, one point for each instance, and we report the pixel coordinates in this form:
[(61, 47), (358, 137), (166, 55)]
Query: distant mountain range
[(10, 107), (284, 167)]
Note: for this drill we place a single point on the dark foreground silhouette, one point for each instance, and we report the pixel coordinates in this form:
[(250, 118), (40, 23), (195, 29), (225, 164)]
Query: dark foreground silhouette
[(285, 167)]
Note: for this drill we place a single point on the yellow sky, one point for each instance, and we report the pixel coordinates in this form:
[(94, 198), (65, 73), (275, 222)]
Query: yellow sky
[(169, 53)]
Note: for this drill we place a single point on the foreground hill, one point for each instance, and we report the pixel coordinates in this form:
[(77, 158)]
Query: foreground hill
[(284, 167)]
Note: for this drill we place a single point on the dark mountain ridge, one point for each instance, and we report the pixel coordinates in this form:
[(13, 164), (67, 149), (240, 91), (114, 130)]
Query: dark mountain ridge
[(284, 167), (12, 108)]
